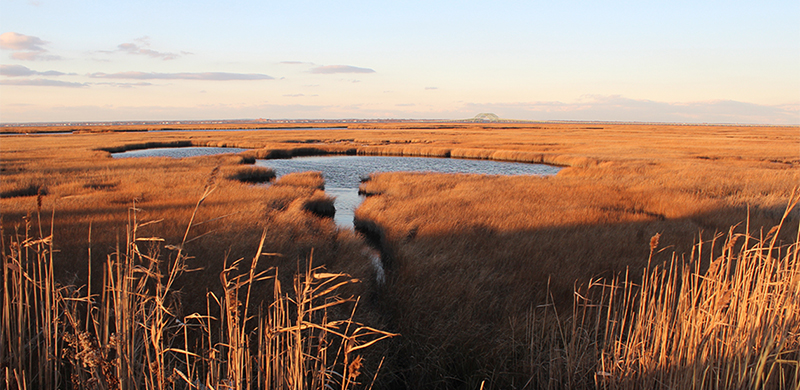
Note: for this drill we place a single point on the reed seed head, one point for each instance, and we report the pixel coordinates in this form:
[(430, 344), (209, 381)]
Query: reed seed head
[(654, 241), (39, 197), (354, 370)]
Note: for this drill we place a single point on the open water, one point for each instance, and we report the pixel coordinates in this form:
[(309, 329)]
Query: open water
[(343, 174)]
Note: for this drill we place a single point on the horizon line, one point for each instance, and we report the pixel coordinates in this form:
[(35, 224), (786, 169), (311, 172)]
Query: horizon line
[(365, 120)]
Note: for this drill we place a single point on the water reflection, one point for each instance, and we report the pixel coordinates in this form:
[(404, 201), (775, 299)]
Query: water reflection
[(254, 129), (191, 151)]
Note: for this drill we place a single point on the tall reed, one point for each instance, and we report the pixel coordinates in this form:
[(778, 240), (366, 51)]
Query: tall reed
[(728, 317), (729, 322), (131, 335)]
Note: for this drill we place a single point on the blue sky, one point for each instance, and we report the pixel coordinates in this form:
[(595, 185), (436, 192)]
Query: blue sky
[(698, 61)]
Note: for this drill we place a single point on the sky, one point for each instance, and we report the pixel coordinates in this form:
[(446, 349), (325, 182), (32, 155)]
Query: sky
[(644, 61)]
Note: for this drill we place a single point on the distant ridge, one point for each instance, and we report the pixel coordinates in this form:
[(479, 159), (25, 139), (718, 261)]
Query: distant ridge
[(488, 117)]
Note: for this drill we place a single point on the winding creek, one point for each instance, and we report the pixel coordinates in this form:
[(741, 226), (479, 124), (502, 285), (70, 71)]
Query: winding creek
[(343, 174)]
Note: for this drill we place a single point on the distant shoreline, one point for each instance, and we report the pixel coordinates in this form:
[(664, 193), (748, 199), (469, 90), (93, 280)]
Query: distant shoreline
[(266, 124)]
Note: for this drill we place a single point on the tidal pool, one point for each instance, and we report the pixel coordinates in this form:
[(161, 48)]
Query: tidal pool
[(189, 151), (255, 129), (343, 174)]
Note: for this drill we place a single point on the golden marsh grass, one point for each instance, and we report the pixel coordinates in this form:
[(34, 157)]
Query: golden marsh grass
[(492, 282)]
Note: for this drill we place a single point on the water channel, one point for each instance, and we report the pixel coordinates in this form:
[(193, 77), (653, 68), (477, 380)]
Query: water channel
[(343, 174)]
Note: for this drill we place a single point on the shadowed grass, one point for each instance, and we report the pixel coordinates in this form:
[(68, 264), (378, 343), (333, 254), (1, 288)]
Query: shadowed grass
[(733, 324), (130, 333), (22, 190), (253, 175), (506, 244)]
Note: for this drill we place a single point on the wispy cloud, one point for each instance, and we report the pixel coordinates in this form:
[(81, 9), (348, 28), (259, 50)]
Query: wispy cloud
[(15, 41), (294, 95), (212, 76), (296, 63), (125, 85), (26, 47), (331, 69), (431, 88), (113, 112), (140, 46), (22, 71), (34, 56), (43, 83)]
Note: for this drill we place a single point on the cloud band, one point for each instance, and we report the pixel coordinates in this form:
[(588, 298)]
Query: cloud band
[(212, 76), (331, 69)]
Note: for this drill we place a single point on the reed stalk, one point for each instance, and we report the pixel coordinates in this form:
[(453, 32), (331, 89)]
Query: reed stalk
[(131, 336), (721, 319)]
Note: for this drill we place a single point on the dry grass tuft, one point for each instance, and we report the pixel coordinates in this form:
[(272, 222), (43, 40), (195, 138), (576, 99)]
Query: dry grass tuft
[(318, 204), (253, 175), (17, 190), (302, 179)]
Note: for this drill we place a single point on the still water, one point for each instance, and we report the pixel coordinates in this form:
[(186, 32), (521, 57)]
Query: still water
[(343, 174), (262, 129), (190, 151)]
